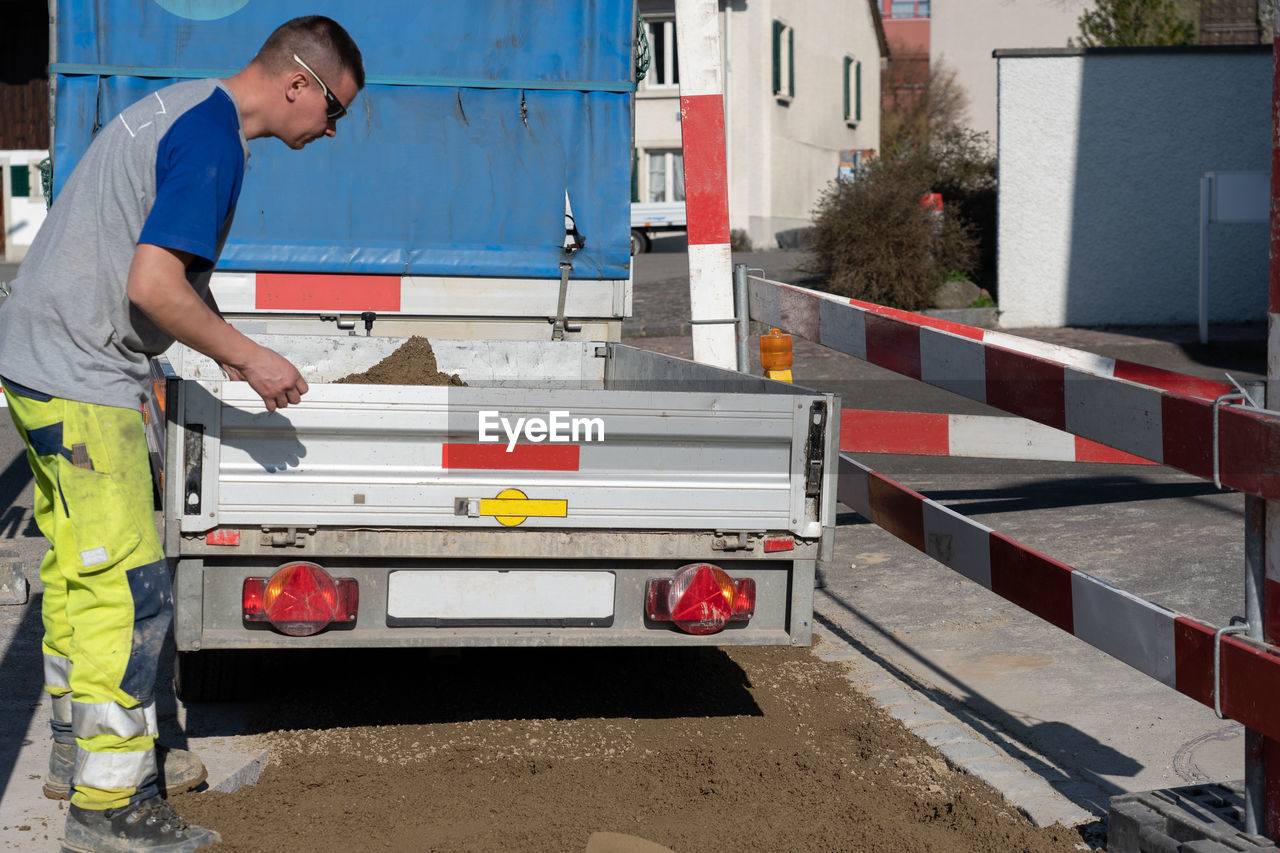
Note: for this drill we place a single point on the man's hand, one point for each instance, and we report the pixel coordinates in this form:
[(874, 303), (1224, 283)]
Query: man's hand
[(275, 378), (158, 286)]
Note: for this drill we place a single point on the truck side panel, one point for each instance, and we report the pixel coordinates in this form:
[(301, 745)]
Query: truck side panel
[(455, 160)]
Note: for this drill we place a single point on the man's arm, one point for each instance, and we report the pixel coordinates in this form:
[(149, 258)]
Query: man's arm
[(159, 288), (212, 302)]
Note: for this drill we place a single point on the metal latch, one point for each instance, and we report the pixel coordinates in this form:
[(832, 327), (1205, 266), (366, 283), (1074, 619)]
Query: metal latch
[(289, 537), (734, 540), (815, 449), (558, 323), (573, 241), (469, 507)]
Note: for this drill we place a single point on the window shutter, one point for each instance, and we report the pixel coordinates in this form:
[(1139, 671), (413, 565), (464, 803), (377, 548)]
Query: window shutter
[(777, 57), (635, 175), (791, 62), (847, 103), (857, 88)]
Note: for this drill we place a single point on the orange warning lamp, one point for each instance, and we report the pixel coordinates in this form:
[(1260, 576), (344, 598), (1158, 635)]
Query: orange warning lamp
[(775, 355)]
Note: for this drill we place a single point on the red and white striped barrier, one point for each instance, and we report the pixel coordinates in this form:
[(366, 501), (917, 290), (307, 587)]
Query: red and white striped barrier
[(1157, 415), (973, 436), (706, 185), (1175, 650)]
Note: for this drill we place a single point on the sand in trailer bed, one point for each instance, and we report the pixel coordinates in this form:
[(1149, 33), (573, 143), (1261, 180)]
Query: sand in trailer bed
[(414, 363)]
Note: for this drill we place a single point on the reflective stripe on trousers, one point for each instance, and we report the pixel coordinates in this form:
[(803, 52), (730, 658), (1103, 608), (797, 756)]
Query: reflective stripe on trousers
[(108, 599), (109, 718), (113, 771), (57, 674)]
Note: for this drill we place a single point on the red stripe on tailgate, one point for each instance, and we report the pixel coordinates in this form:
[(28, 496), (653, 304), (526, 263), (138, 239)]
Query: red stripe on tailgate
[(920, 433), (1034, 582), (706, 188), (523, 457), (323, 292)]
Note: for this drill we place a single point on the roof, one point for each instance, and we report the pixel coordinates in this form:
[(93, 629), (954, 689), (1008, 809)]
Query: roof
[(880, 36), (1151, 50)]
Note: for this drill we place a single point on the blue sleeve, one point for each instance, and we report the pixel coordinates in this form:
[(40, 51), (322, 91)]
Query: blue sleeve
[(199, 169)]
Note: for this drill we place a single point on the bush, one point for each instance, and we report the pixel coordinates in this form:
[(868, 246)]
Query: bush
[(873, 240), (740, 241)]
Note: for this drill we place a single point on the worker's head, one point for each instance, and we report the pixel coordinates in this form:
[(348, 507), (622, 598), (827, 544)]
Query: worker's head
[(316, 71)]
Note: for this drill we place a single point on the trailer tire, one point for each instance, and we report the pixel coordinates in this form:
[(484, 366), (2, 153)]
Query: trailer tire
[(219, 675), (639, 242)]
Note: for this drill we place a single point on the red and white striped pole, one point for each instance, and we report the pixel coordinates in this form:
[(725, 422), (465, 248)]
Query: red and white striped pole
[(1263, 758), (706, 186)]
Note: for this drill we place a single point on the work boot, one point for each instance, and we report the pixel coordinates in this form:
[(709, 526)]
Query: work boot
[(178, 770), (151, 826)]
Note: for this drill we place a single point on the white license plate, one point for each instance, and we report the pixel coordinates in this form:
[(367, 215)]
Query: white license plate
[(488, 595)]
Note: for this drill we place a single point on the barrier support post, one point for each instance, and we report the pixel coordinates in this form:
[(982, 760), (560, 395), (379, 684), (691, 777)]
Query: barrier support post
[(1255, 787), (1268, 751), (742, 310), (706, 187)]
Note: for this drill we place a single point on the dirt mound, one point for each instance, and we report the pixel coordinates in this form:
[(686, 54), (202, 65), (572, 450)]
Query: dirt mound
[(744, 749), (414, 363)]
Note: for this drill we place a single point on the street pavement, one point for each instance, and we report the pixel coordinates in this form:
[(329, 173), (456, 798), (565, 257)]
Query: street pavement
[(1055, 725), (989, 684)]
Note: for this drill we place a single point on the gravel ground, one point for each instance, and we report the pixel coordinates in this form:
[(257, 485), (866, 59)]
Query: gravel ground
[(747, 749)]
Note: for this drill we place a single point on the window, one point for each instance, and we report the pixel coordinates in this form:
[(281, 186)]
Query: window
[(666, 176), (20, 180), (909, 9), (784, 61), (852, 90), (663, 68)]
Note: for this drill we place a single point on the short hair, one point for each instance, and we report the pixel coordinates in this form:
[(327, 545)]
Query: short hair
[(319, 41)]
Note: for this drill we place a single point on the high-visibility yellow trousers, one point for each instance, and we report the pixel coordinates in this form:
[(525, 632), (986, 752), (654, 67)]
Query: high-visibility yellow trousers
[(108, 597)]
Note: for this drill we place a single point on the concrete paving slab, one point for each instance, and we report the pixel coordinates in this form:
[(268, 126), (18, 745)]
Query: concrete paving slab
[(1191, 819)]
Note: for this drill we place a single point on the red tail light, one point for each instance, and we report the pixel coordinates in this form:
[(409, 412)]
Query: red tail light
[(700, 599), (300, 599)]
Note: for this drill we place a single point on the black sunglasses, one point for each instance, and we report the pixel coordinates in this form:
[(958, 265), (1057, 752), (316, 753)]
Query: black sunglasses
[(334, 109)]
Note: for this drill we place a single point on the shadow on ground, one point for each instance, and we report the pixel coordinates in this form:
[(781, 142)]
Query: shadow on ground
[(297, 689)]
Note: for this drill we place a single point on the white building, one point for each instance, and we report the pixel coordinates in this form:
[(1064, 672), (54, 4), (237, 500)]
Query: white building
[(964, 34), (802, 84), (22, 206), (1102, 152)]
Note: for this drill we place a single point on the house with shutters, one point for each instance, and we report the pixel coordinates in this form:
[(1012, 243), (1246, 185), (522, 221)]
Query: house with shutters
[(801, 94)]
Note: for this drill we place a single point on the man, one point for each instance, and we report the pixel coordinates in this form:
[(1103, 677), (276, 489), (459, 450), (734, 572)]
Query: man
[(120, 270)]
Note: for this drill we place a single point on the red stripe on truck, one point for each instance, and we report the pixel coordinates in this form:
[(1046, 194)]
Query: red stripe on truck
[(325, 292), (523, 457)]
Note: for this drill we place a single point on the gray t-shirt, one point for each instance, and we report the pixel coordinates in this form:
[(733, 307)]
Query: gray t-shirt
[(166, 171)]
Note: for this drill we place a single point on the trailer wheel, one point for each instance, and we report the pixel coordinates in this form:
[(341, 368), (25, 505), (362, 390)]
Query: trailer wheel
[(219, 675), (639, 242)]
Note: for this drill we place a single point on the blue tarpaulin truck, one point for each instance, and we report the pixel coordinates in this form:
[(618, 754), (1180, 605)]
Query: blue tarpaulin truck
[(577, 491)]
